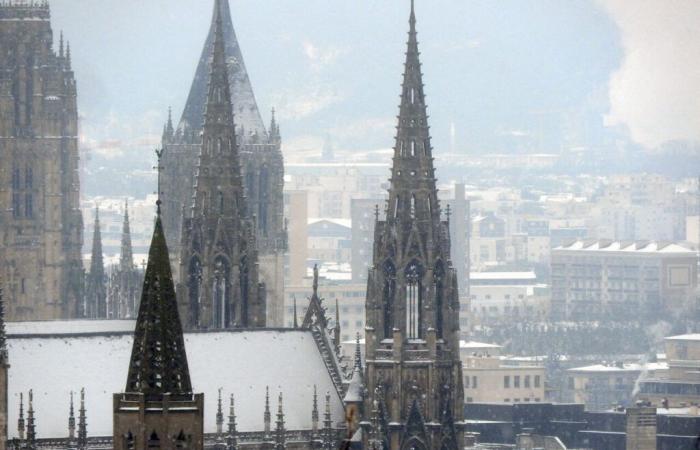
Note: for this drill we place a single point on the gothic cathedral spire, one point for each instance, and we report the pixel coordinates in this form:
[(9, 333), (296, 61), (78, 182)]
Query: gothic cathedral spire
[(218, 264), (412, 299), (96, 290), (158, 378)]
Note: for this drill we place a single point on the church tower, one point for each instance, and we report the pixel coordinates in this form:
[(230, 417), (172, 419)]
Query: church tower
[(42, 232), (413, 370), (219, 262), (158, 408), (261, 162)]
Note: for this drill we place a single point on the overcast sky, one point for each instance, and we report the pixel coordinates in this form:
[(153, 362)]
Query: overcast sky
[(512, 75)]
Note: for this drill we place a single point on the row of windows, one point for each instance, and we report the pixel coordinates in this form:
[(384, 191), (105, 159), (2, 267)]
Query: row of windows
[(28, 178), (516, 381), (488, 296)]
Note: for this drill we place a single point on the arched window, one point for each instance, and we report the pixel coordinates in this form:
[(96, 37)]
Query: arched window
[(129, 442), (28, 206), (388, 295), (439, 285), (15, 178), (402, 148), (413, 205), (250, 183), (154, 440), (413, 148), (221, 202), (194, 282), (414, 300), (263, 199), (209, 145), (181, 440), (220, 292), (219, 145), (397, 203), (28, 177)]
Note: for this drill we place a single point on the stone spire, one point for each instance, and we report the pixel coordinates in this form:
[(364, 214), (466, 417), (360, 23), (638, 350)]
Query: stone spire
[(219, 417), (31, 425), (71, 419), (328, 439), (68, 66), (267, 418), (280, 432), (336, 328), (218, 237), (232, 437), (158, 360), (296, 319), (20, 421), (247, 111), (96, 290), (275, 137), (358, 352), (412, 293), (126, 255), (82, 422), (314, 416), (60, 45)]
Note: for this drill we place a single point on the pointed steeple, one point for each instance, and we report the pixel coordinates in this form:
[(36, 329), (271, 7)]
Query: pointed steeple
[(275, 137), (413, 195), (158, 359), (96, 290), (328, 438), (314, 415), (355, 392), (247, 112), (71, 419), (60, 45), (266, 415), (20, 421), (82, 422), (280, 432), (31, 425), (219, 417), (68, 56), (126, 255), (336, 328), (232, 437)]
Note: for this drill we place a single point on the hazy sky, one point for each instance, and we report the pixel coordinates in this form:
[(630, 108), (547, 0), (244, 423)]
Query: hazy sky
[(518, 75)]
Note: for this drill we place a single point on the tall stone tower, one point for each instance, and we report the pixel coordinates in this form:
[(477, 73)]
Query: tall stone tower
[(413, 369), (158, 408), (261, 161), (218, 264), (95, 306), (40, 221)]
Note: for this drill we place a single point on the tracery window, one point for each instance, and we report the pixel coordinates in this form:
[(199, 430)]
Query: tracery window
[(439, 285), (414, 300), (388, 295), (220, 292)]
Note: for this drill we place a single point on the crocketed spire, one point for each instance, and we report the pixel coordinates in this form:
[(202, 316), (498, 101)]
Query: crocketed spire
[(158, 360)]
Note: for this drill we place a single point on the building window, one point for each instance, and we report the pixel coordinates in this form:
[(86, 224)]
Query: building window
[(469, 399), (506, 400), (28, 206), (413, 300), (527, 381), (28, 178), (466, 382), (506, 381), (15, 205), (15, 178), (516, 400), (537, 381), (474, 382), (516, 381)]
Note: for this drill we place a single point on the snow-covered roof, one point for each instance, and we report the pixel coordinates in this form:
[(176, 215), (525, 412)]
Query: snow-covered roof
[(241, 362), (69, 327), (347, 223), (685, 337), (474, 344), (637, 247), (626, 367)]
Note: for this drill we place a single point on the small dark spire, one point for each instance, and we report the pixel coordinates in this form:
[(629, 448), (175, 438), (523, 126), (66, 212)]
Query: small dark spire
[(328, 441), (96, 289), (126, 254), (314, 415), (20, 420), (60, 45), (219, 417), (71, 419), (280, 432), (232, 438), (31, 425), (336, 329), (267, 416), (82, 422), (315, 282)]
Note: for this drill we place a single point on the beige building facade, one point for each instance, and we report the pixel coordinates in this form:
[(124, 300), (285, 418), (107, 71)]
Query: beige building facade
[(488, 380)]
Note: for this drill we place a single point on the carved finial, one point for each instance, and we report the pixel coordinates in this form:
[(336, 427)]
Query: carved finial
[(448, 212), (71, 418), (159, 168), (219, 415), (376, 212), (296, 321), (315, 282), (358, 352)]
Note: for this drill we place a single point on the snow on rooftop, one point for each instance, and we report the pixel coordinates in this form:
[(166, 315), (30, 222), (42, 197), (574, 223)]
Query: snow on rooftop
[(68, 327), (626, 367), (347, 223), (241, 362), (475, 344), (626, 247), (685, 337)]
